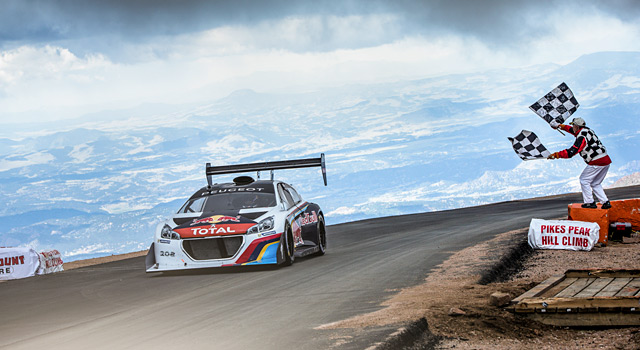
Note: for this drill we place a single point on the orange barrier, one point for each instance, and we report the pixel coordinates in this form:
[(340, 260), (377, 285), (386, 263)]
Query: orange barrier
[(627, 210), (599, 216)]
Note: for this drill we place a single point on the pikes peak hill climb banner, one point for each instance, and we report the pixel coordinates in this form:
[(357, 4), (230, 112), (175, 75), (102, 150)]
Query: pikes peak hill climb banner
[(563, 234)]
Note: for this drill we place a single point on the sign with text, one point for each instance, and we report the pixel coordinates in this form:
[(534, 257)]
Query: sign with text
[(563, 234), (50, 262), (18, 263)]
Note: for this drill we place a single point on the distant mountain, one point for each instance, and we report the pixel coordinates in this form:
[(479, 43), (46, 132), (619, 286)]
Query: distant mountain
[(629, 180), (100, 185)]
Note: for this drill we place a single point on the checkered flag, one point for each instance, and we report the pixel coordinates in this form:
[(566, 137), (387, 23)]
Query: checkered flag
[(558, 105), (528, 146)]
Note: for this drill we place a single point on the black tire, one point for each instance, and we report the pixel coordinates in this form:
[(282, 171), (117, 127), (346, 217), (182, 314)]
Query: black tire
[(322, 236), (286, 247)]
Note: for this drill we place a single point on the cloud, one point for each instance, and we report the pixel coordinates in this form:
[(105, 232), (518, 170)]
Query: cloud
[(47, 77), (61, 59), (322, 25), (44, 20)]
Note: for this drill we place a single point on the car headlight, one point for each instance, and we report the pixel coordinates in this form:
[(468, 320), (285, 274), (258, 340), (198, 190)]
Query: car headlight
[(264, 225), (168, 233)]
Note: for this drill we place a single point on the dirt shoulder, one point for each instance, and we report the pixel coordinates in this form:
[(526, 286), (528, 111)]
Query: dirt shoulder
[(487, 327), (476, 324), (96, 261)]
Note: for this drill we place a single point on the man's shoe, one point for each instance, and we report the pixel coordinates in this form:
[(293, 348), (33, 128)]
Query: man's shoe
[(590, 205), (606, 205)]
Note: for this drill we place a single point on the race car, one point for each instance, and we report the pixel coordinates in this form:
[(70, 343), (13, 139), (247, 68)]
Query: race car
[(245, 222)]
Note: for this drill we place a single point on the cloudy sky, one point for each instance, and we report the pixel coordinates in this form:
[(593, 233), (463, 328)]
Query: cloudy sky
[(63, 58)]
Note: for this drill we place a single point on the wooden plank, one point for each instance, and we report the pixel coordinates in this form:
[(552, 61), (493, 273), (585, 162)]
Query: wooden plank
[(559, 287), (603, 273), (630, 289), (585, 304), (540, 288), (586, 320), (594, 287), (584, 273), (614, 287), (575, 287)]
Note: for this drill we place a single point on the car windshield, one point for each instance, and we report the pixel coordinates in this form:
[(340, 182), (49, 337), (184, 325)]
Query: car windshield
[(229, 201)]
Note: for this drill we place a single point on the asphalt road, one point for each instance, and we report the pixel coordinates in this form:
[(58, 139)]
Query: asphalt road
[(118, 306)]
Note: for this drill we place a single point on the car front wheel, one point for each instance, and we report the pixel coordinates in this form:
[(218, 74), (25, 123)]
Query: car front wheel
[(286, 247), (322, 236)]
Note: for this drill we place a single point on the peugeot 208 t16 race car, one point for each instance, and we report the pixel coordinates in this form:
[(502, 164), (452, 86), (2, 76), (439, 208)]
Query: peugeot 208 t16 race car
[(246, 222)]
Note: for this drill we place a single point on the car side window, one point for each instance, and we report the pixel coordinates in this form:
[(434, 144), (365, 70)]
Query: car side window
[(193, 206), (285, 196), (293, 193)]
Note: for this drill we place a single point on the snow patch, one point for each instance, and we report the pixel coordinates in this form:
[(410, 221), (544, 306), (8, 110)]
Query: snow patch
[(81, 153), (89, 249), (27, 160), (123, 207)]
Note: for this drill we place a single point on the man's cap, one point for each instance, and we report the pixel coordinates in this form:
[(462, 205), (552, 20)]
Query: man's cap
[(578, 122)]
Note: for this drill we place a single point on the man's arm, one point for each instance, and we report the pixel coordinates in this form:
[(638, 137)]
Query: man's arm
[(567, 128), (577, 147)]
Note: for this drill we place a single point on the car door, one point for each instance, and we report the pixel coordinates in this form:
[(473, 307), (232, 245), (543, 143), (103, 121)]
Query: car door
[(294, 212), (307, 218)]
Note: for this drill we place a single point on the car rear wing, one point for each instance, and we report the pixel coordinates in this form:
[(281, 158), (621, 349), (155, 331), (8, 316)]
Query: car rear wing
[(270, 166)]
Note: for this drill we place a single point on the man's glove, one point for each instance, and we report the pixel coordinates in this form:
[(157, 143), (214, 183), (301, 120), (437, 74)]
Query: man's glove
[(555, 125), (553, 155)]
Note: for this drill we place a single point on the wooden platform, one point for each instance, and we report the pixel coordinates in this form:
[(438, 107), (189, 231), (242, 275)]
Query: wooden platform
[(582, 298)]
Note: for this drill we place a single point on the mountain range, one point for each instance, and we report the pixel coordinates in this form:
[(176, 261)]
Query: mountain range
[(99, 185)]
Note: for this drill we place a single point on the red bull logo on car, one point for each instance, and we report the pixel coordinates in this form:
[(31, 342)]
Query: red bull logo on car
[(307, 219), (215, 219)]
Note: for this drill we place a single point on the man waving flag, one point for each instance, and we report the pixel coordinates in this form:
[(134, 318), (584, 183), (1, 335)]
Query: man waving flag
[(591, 149)]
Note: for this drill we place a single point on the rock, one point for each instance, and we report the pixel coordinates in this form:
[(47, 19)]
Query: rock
[(454, 311), (499, 299)]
